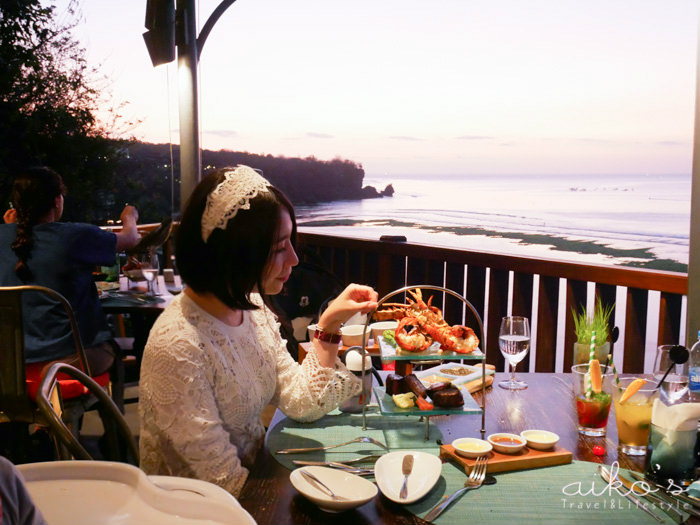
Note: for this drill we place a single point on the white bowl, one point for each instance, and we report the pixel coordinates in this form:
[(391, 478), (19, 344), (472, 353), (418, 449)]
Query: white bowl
[(540, 439), (352, 334), (425, 474), (507, 443), (471, 447), (378, 329), (357, 490)]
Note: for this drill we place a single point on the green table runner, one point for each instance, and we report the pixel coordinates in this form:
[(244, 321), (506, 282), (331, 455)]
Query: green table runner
[(565, 494), (398, 433)]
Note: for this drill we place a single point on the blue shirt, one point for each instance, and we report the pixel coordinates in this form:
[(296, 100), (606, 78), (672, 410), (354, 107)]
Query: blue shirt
[(63, 257)]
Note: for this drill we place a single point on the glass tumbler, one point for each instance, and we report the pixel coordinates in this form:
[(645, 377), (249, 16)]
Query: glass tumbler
[(592, 408)]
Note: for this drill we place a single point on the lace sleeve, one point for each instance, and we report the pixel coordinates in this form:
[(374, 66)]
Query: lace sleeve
[(182, 431), (308, 391)]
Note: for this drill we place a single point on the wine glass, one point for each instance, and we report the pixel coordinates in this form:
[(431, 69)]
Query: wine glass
[(514, 342), (675, 385), (149, 266)]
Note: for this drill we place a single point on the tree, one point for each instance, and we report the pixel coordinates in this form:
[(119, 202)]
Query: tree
[(47, 109)]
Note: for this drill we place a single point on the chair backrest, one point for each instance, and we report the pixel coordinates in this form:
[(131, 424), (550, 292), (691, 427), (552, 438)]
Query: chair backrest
[(14, 400), (119, 443)]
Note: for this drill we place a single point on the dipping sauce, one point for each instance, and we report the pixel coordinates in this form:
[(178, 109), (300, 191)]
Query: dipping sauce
[(457, 371), (434, 379), (473, 446), (540, 436), (506, 440)]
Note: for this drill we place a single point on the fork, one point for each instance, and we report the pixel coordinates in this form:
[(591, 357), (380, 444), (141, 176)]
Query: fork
[(362, 439), (474, 481)]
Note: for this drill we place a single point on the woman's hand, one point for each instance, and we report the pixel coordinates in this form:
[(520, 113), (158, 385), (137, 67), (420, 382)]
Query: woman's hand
[(355, 298), (129, 214), (10, 216), (129, 236)]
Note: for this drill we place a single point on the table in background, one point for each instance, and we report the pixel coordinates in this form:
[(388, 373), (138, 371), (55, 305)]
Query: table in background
[(546, 404), (142, 315)]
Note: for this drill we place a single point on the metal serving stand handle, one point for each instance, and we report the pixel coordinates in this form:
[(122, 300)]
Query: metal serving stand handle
[(367, 395)]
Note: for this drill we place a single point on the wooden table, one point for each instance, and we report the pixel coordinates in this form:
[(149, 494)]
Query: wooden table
[(547, 404)]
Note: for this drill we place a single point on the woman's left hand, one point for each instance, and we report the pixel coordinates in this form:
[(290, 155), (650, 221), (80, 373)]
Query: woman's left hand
[(355, 298)]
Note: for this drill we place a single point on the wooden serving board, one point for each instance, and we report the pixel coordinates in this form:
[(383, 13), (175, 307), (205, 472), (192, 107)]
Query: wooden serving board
[(498, 462)]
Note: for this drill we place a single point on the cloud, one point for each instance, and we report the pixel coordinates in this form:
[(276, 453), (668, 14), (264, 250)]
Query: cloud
[(226, 133), (319, 135), (475, 137), (401, 137)]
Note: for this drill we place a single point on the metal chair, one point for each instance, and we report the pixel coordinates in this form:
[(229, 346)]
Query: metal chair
[(118, 443), (19, 382)]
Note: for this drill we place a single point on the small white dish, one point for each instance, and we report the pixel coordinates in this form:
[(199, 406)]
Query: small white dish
[(352, 334), (357, 490), (425, 474), (507, 443), (471, 447), (540, 439), (380, 327), (311, 329)]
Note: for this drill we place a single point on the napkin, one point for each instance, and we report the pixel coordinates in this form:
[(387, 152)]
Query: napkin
[(694, 489), (683, 416)]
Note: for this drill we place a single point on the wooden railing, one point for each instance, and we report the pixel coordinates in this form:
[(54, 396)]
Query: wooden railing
[(498, 285)]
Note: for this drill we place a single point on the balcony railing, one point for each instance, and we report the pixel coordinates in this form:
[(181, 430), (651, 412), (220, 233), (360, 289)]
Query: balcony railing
[(546, 291)]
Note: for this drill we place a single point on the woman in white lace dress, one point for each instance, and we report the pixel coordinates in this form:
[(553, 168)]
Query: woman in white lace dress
[(215, 359)]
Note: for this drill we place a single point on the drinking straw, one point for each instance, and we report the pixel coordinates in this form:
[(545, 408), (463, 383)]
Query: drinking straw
[(591, 356), (617, 377)]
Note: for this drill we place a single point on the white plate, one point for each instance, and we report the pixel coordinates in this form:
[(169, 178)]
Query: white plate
[(105, 286), (358, 490), (425, 474), (89, 492), (456, 380)]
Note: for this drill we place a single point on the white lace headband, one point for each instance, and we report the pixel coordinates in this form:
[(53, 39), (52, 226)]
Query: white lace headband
[(232, 194)]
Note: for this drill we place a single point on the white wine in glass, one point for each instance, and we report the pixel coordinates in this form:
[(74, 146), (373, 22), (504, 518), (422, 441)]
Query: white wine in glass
[(514, 343), (149, 268)]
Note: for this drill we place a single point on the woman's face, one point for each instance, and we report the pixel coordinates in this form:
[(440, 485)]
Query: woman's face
[(282, 258)]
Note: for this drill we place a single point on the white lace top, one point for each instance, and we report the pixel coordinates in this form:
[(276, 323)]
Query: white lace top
[(204, 385)]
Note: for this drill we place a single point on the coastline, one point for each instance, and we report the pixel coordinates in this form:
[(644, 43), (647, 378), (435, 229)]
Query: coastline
[(547, 246)]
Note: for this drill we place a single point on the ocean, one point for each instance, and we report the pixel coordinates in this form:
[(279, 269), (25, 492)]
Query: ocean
[(634, 220)]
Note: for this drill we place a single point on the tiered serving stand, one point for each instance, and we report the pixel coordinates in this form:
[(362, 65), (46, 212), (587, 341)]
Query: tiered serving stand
[(404, 365)]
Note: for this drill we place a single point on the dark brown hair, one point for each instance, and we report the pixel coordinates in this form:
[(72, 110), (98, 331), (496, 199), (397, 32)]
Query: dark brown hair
[(231, 263), (34, 193)]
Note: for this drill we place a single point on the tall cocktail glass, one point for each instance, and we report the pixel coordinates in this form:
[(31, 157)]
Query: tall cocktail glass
[(592, 408), (633, 416)]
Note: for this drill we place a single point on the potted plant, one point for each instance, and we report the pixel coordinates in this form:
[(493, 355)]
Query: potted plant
[(585, 323)]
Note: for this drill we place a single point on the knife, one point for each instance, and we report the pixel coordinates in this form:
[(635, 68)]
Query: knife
[(660, 502), (682, 497), (605, 474)]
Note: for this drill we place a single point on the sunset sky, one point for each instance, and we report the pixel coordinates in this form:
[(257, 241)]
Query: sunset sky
[(416, 87)]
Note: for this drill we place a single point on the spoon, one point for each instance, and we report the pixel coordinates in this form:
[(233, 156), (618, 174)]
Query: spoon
[(406, 468), (678, 355), (321, 484)]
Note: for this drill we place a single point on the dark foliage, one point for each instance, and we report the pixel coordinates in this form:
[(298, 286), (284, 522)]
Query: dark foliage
[(48, 107)]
